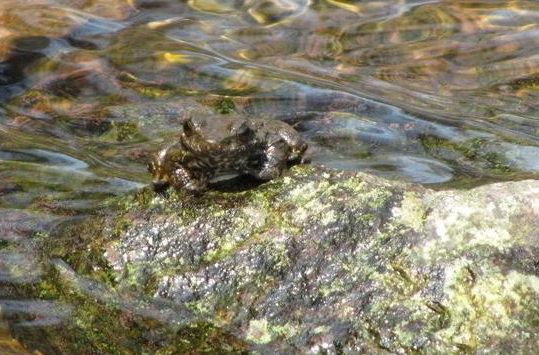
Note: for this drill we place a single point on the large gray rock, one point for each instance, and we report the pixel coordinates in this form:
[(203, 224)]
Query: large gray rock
[(329, 262)]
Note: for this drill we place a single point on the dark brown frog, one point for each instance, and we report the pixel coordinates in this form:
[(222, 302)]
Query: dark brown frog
[(215, 145)]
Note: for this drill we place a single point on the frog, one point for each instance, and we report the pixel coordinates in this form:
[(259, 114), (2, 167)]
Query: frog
[(209, 146)]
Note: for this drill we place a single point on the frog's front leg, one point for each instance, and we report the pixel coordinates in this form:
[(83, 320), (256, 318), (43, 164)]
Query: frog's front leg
[(195, 181), (297, 147), (276, 156)]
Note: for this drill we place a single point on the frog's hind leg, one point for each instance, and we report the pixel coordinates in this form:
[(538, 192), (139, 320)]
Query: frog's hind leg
[(194, 181)]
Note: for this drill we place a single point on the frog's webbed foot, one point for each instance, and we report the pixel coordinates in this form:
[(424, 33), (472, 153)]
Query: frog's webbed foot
[(266, 173), (297, 146), (192, 181), (297, 156), (301, 160)]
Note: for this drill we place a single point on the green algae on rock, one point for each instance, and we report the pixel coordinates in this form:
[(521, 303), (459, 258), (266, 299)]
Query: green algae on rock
[(324, 262)]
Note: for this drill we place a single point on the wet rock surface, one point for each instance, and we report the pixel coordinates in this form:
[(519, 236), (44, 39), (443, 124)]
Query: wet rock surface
[(318, 261)]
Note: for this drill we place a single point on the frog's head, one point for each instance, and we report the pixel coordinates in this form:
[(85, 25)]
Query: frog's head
[(213, 132)]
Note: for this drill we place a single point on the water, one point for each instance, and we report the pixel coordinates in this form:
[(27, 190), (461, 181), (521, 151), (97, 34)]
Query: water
[(443, 93)]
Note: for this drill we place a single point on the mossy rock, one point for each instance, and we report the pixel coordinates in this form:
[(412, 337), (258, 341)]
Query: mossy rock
[(318, 261)]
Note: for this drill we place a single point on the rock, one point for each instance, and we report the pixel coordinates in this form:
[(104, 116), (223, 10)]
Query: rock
[(318, 262)]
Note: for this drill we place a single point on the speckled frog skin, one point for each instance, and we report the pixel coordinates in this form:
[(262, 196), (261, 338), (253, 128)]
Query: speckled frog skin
[(214, 145)]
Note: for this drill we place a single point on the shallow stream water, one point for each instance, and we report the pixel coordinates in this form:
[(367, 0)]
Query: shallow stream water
[(443, 93)]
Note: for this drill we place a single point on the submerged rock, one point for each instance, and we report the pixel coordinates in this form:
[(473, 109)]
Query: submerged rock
[(321, 262)]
